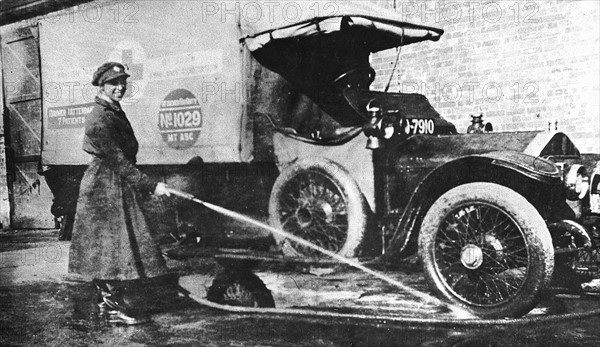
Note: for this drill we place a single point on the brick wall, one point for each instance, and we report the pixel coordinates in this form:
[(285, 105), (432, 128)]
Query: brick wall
[(521, 64)]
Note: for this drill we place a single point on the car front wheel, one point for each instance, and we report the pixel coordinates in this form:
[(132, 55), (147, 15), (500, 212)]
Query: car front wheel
[(484, 247)]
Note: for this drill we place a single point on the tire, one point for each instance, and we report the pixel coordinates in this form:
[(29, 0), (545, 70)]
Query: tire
[(317, 200), (240, 288), (485, 248)]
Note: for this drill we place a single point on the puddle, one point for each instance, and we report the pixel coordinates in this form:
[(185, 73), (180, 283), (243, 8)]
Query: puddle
[(62, 314)]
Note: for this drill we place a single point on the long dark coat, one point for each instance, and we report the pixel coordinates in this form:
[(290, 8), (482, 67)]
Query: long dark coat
[(111, 240)]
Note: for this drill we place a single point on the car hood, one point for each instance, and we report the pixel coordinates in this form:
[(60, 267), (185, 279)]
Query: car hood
[(533, 143)]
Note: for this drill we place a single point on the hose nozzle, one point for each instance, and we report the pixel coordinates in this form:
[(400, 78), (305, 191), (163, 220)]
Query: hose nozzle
[(181, 194)]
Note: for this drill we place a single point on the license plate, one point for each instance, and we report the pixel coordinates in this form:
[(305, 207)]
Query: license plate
[(413, 126)]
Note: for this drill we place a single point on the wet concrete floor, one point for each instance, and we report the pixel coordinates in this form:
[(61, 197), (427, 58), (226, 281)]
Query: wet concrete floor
[(40, 305)]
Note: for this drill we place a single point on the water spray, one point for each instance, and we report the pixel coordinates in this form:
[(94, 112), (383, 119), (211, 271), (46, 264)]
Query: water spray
[(428, 299)]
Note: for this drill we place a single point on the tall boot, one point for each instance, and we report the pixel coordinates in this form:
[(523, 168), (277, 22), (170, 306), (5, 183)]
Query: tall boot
[(112, 306), (102, 291)]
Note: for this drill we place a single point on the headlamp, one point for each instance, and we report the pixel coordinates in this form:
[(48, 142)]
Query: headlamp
[(577, 182)]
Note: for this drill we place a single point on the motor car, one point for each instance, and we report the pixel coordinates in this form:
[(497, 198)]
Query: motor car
[(384, 174)]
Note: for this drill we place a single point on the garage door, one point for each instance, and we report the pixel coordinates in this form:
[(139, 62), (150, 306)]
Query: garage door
[(30, 197)]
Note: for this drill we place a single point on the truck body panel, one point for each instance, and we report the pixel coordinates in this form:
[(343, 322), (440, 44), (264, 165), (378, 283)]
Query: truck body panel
[(186, 91)]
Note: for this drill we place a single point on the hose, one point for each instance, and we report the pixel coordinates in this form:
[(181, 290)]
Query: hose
[(383, 319), (467, 317), (459, 311)]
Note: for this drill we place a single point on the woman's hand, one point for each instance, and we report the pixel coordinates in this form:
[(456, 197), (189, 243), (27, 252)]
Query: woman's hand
[(161, 190)]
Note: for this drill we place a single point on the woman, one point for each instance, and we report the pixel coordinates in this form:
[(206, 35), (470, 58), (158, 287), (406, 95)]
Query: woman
[(111, 242)]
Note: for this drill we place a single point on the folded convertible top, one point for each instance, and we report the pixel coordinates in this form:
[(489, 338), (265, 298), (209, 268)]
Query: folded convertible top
[(263, 22)]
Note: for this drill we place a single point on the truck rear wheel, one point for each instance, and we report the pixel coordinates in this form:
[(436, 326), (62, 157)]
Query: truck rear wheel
[(317, 200), (486, 248), (240, 288)]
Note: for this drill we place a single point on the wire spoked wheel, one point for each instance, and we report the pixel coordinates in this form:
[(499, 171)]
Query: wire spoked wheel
[(481, 254), (314, 209), (586, 263), (316, 200), (486, 248)]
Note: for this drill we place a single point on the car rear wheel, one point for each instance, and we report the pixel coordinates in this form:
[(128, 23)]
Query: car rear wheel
[(486, 248), (317, 200)]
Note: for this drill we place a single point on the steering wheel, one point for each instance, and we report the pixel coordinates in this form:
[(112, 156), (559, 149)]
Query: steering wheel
[(360, 77)]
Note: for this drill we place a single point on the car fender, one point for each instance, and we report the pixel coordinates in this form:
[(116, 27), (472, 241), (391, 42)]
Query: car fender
[(537, 179)]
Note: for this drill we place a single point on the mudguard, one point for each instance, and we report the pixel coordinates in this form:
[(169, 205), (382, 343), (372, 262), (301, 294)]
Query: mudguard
[(537, 179)]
